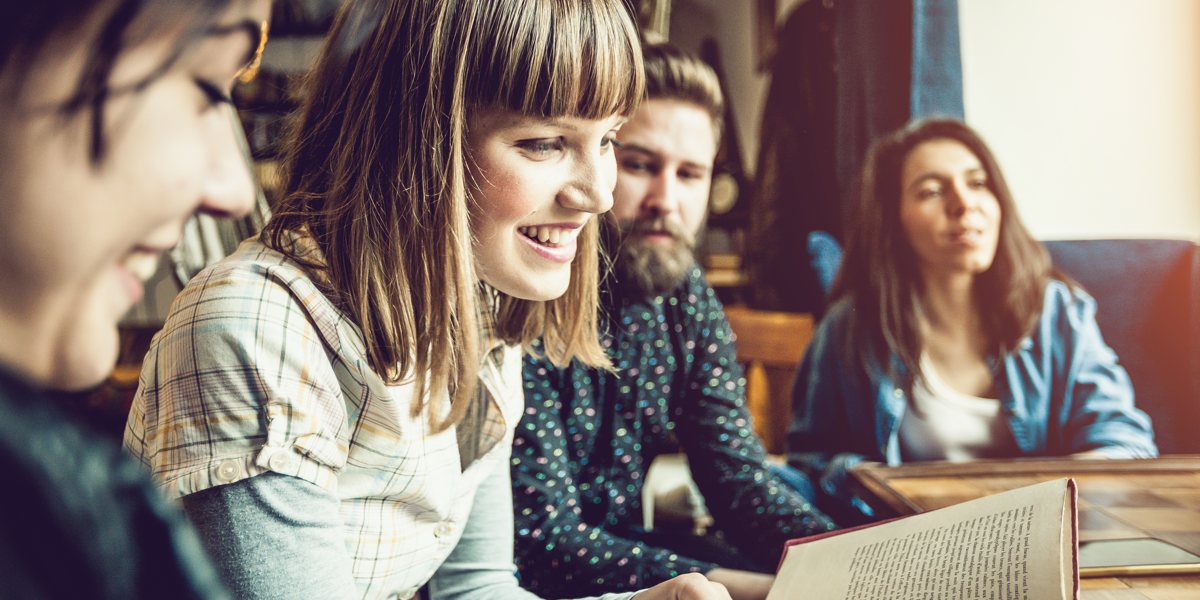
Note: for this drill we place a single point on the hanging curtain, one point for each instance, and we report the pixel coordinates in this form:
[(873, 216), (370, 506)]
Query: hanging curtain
[(937, 88)]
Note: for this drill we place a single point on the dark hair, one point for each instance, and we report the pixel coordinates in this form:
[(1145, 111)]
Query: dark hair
[(674, 74), (27, 28), (879, 275)]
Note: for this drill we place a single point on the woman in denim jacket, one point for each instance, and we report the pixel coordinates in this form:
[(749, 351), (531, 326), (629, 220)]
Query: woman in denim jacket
[(950, 337)]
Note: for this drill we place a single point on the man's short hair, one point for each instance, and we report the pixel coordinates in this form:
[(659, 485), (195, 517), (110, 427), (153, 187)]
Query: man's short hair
[(674, 74)]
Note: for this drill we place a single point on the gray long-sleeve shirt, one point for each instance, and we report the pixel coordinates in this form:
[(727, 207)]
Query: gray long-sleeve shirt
[(275, 536)]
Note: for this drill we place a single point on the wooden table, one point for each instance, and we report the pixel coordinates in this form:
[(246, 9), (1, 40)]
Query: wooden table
[(1157, 498)]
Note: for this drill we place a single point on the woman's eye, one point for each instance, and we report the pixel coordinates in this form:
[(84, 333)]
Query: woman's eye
[(688, 175), (213, 93), (977, 184), (929, 193), (541, 148)]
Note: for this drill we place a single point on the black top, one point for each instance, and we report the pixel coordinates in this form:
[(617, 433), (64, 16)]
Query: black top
[(79, 519), (588, 437)]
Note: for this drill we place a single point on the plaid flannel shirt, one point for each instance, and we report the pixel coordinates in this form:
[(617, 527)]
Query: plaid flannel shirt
[(256, 370)]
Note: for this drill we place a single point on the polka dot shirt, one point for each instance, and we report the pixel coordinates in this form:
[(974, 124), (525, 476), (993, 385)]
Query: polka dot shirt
[(588, 436)]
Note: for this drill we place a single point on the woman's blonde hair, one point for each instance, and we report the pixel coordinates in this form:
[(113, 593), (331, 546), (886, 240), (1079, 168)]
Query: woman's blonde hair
[(376, 172)]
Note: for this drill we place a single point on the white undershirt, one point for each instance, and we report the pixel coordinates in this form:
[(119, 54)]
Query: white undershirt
[(951, 425)]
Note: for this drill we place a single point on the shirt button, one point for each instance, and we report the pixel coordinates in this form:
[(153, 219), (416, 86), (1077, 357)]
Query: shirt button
[(443, 529), (899, 393), (282, 462), (227, 471)]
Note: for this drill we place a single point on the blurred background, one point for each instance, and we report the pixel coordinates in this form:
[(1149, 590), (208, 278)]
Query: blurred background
[(1091, 106)]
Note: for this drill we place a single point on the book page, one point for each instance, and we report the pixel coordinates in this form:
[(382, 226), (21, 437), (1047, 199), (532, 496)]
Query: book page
[(1005, 546)]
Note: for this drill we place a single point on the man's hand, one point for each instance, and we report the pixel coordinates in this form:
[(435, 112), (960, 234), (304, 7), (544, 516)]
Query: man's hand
[(692, 586)]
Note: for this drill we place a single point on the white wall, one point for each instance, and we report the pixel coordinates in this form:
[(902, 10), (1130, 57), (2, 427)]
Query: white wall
[(1093, 110)]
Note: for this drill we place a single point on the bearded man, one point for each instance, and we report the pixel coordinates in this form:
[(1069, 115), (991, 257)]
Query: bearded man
[(582, 450)]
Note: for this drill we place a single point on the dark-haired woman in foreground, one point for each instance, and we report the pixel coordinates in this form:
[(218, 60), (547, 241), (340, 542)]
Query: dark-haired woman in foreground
[(115, 127), (950, 337)]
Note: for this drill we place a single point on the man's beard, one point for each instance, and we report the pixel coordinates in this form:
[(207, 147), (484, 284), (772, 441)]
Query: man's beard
[(650, 268)]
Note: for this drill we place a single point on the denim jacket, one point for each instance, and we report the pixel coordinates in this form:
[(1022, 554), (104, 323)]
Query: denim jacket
[(1061, 391)]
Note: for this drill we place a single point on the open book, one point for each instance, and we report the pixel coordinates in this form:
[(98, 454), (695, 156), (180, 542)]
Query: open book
[(1021, 544)]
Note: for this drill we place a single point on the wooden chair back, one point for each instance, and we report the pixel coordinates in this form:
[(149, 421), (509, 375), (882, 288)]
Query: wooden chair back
[(770, 345)]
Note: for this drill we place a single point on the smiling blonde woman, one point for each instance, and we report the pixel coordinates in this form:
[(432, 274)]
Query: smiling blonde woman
[(335, 402)]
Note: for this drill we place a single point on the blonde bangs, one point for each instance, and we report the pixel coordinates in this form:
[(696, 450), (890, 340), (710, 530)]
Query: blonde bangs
[(556, 58)]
